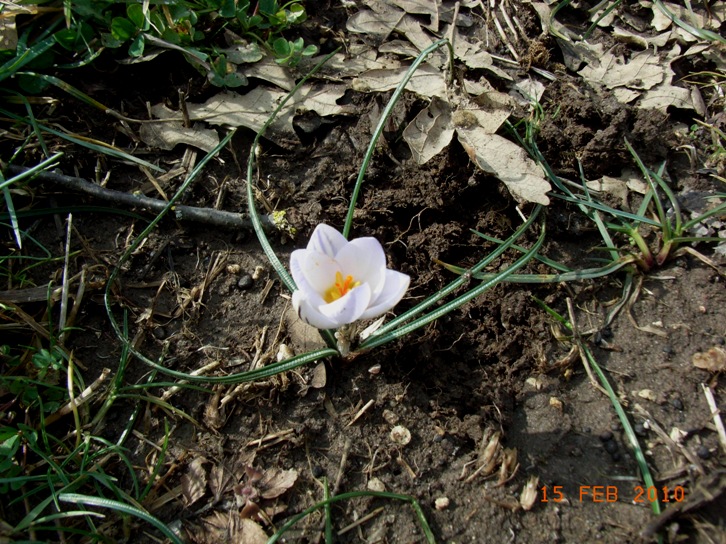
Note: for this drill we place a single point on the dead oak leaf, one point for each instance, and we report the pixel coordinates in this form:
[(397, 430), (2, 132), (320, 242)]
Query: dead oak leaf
[(644, 70), (275, 482), (508, 162), (253, 109), (430, 132)]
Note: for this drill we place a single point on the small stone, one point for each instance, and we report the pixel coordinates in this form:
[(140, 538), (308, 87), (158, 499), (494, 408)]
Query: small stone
[(375, 484), (677, 403), (442, 503), (611, 446), (668, 349), (703, 452), (639, 429), (318, 471), (245, 282), (234, 269), (375, 370), (648, 394), (400, 435), (606, 436)]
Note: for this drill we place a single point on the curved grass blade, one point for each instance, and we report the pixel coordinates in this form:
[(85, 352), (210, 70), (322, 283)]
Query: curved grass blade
[(378, 340), (456, 284), (30, 172), (94, 145), (280, 269), (572, 275), (384, 119), (99, 502), (252, 209)]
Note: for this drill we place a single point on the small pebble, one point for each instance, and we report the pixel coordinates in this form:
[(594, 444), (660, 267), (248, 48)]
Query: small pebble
[(639, 429), (245, 282), (703, 452), (375, 484), (677, 403), (611, 446), (318, 471), (606, 436), (442, 503), (668, 349)]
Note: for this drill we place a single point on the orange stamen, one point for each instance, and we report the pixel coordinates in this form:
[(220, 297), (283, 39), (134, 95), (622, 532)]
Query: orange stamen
[(340, 288)]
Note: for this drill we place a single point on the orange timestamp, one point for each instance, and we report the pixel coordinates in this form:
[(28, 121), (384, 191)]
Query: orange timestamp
[(612, 493)]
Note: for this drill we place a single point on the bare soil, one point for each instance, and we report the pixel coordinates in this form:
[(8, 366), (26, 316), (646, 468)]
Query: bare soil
[(491, 396)]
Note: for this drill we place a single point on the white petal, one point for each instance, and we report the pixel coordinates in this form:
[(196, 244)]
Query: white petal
[(393, 291), (363, 258), (319, 270), (296, 263), (349, 307), (309, 313), (326, 240)]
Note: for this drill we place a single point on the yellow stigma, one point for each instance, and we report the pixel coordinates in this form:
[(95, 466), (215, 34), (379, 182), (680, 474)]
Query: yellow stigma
[(340, 287)]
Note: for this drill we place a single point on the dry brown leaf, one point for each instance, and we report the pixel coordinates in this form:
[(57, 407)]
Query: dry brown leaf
[(427, 81), (663, 96), (421, 7), (507, 161), (220, 479), (194, 482), (430, 131), (252, 109), (713, 360), (644, 70), (169, 134), (275, 482), (380, 21)]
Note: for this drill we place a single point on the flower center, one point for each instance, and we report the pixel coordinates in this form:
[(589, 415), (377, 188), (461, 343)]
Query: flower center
[(340, 287)]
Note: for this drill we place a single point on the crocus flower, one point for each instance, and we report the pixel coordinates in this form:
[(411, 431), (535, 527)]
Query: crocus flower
[(341, 281)]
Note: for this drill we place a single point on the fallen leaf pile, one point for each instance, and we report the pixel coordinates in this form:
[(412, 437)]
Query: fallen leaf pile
[(385, 35)]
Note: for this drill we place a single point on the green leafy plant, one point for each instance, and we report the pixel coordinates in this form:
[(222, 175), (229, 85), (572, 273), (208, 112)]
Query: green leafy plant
[(211, 34)]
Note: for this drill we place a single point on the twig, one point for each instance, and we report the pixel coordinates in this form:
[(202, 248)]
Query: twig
[(181, 213), (80, 400), (64, 290), (716, 415)]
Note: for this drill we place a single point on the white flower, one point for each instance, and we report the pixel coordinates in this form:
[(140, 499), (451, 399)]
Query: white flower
[(340, 282)]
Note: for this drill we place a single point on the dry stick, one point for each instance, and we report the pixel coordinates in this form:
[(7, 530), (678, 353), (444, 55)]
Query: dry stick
[(716, 415), (80, 400), (210, 216), (64, 290)]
